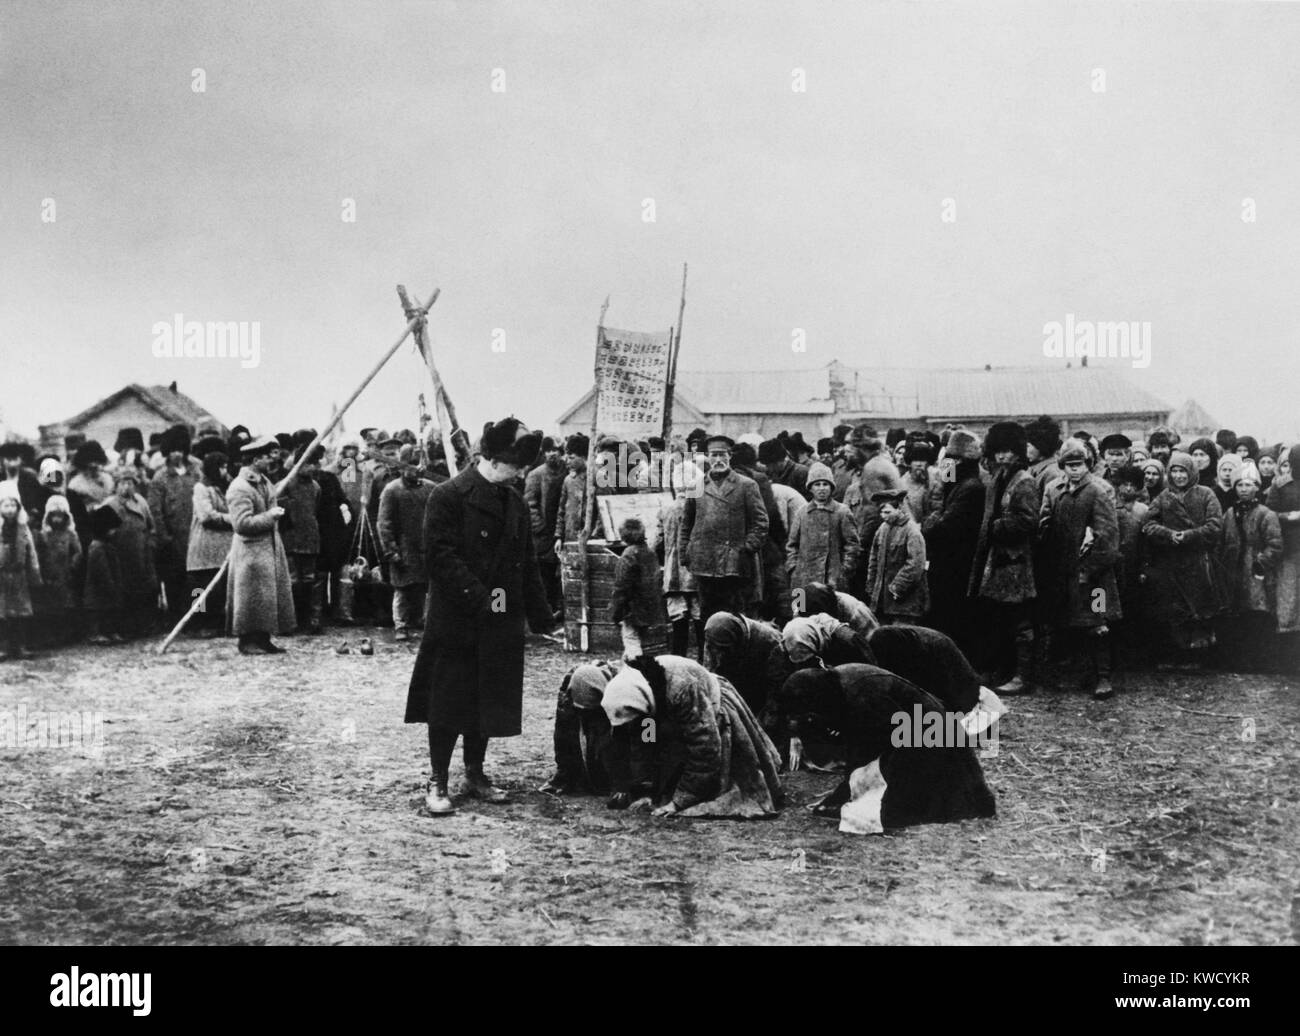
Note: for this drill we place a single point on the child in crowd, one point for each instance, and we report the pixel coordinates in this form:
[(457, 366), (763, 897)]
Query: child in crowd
[(59, 551), (896, 588), (823, 544), (637, 583), (20, 574), (103, 597)]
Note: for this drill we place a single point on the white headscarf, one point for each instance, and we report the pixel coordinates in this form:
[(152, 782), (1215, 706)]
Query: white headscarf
[(628, 697)]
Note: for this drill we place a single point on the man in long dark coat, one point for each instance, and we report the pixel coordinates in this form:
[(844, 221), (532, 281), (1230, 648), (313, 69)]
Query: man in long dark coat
[(484, 584)]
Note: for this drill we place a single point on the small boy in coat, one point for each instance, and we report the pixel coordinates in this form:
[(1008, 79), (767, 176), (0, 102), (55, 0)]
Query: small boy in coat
[(638, 601), (896, 586), (823, 545)]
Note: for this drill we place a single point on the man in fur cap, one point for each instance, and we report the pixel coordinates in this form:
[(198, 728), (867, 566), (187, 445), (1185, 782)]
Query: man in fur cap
[(781, 469), (171, 499), (484, 586)]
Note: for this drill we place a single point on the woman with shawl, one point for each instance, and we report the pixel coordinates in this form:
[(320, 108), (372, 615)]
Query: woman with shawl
[(712, 759)]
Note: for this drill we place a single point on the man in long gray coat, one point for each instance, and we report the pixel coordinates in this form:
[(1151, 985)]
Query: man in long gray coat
[(401, 538), (259, 600), (722, 531), (484, 585)]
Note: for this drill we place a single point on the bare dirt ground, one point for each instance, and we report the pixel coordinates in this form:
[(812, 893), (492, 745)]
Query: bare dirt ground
[(279, 800)]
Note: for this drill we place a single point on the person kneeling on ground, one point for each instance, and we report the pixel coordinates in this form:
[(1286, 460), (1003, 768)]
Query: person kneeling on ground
[(906, 783), (589, 757), (712, 758)]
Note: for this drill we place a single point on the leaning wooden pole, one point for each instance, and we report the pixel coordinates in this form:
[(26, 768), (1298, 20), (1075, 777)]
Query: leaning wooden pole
[(411, 324), (441, 403)]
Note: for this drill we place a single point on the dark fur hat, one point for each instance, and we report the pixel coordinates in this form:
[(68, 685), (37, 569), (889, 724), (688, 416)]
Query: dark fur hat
[(11, 450), (894, 436), (771, 451), (208, 444), (103, 520), (89, 452), (504, 442), (1005, 435), (128, 439), (696, 436), (175, 440), (1163, 436), (795, 445), (578, 444), (1045, 433), (826, 445), (743, 456), (918, 449)]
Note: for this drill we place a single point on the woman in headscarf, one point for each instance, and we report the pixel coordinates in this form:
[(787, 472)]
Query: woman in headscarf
[(712, 758), (1267, 464), (1205, 458), (747, 653), (1184, 589), (866, 704), (588, 758), (820, 599), (1252, 547), (1284, 500), (1224, 479), (1247, 448), (822, 640), (1153, 478)]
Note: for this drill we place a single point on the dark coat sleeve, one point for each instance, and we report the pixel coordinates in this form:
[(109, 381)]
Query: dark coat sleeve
[(755, 518)]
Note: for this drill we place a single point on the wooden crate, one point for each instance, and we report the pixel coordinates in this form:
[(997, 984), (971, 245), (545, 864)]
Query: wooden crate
[(603, 636)]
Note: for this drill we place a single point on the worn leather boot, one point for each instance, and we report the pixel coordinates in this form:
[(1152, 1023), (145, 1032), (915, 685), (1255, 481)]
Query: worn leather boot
[(1026, 679)]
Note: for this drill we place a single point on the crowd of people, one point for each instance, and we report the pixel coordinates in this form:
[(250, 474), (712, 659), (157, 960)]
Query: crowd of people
[(820, 588), (1184, 554), (104, 548)]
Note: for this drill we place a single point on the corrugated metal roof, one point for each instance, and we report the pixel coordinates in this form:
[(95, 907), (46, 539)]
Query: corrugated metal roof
[(999, 392), (737, 390)]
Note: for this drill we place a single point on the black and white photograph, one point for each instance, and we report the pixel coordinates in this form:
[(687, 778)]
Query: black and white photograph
[(648, 473)]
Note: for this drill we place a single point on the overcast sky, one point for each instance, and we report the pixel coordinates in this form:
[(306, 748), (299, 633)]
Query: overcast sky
[(819, 209)]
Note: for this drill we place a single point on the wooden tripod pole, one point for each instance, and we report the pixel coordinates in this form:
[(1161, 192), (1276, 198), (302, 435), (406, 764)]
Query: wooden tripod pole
[(441, 404), (411, 324)]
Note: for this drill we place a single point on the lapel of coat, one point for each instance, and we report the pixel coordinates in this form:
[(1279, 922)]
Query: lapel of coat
[(480, 493)]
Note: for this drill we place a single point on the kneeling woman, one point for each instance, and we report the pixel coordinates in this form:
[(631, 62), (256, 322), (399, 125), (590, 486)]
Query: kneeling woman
[(712, 757), (922, 785), (590, 757)]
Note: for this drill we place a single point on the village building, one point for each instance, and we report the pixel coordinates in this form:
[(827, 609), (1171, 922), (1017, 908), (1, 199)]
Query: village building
[(152, 409), (1096, 399)]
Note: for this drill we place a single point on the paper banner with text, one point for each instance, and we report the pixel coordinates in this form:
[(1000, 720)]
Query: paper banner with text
[(631, 370)]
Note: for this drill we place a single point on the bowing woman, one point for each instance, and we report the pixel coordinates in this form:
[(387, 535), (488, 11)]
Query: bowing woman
[(922, 785), (712, 759)]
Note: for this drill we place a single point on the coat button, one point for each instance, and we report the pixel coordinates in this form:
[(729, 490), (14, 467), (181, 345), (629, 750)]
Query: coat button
[(483, 533)]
